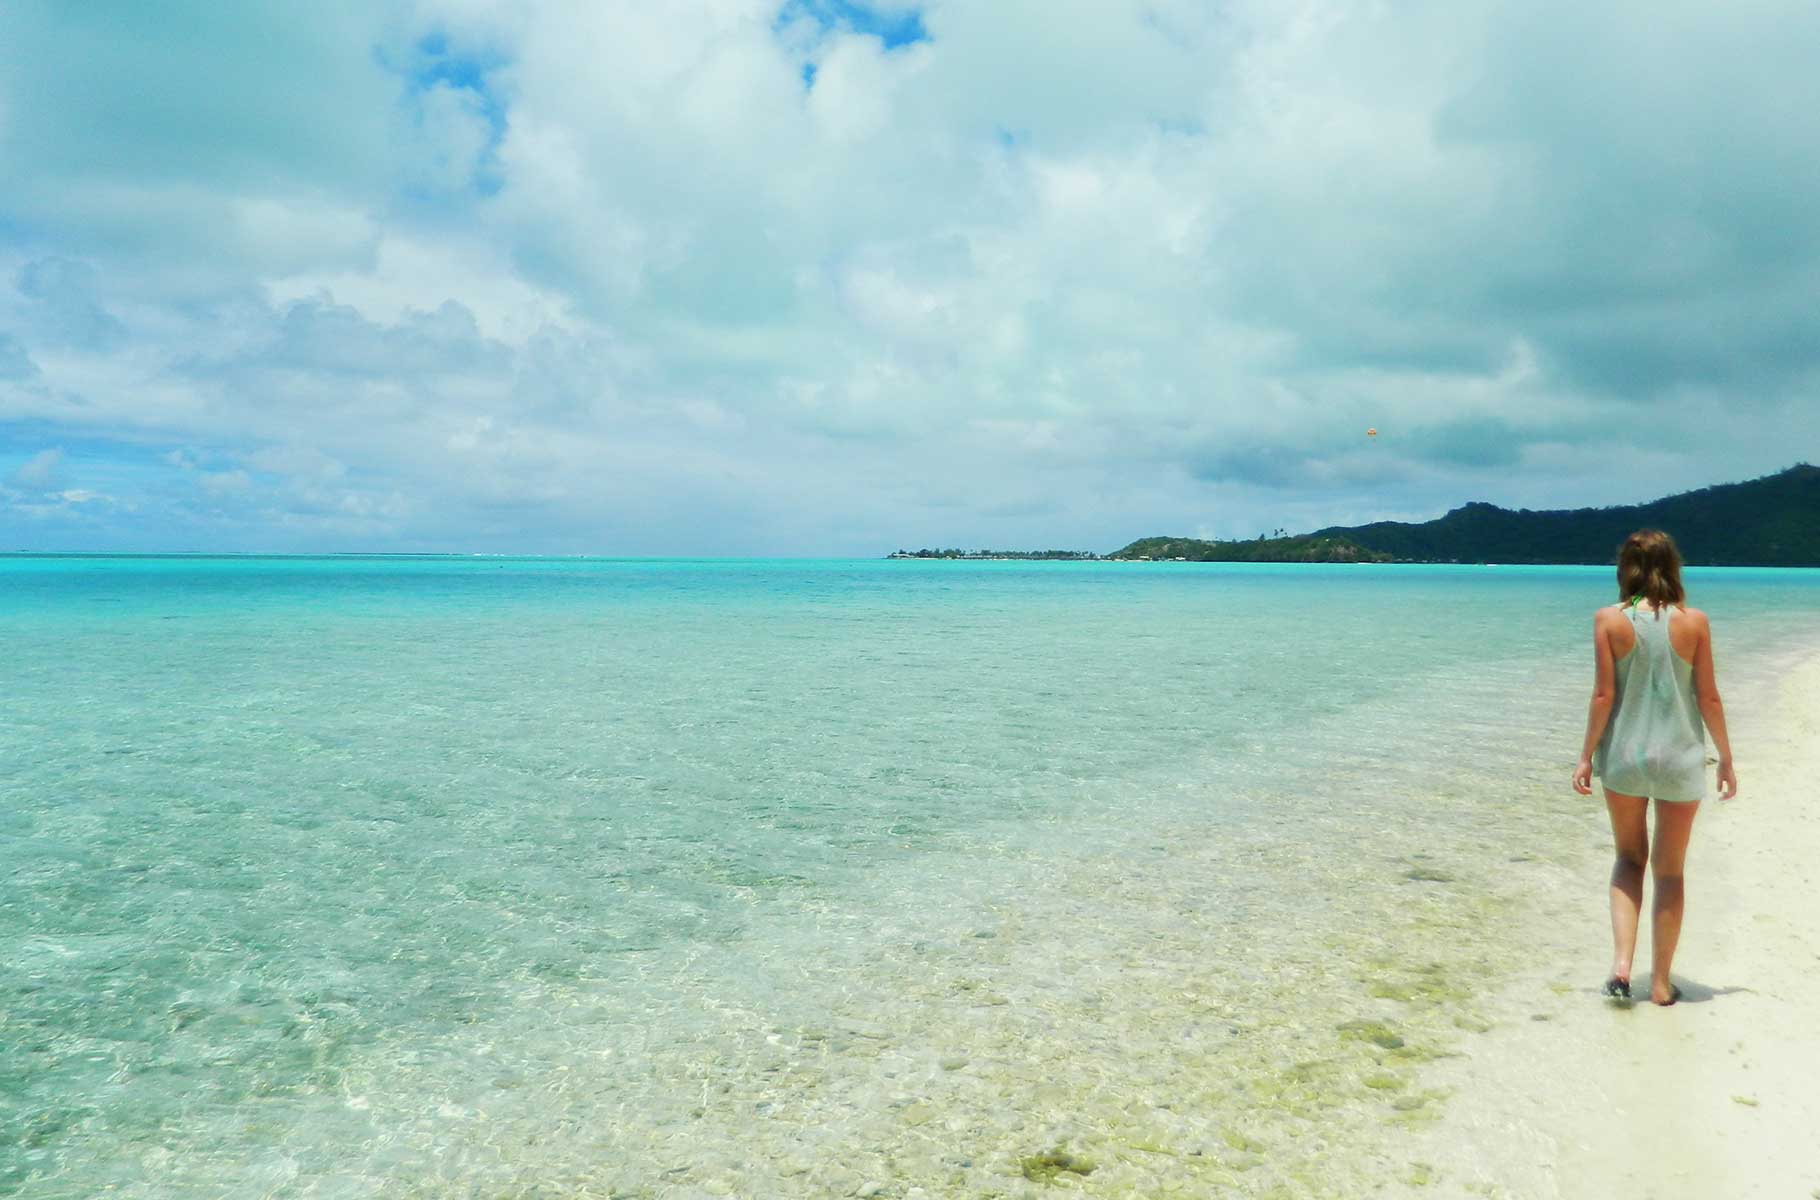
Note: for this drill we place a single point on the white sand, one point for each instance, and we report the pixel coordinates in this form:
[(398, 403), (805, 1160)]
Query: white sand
[(1717, 1097)]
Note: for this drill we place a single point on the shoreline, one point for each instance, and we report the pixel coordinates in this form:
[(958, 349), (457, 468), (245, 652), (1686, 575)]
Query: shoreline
[(1570, 1095)]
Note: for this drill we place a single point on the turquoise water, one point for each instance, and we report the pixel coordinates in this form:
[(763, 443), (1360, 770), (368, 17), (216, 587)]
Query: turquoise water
[(449, 876)]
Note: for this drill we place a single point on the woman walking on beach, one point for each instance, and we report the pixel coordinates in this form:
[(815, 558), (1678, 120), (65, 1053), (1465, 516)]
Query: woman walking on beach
[(1654, 698)]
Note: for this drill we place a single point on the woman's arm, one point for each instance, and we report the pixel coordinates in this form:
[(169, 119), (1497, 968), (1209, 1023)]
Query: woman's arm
[(1598, 712), (1712, 709)]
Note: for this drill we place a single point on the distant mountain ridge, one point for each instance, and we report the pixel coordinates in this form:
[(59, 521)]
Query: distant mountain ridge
[(1769, 522)]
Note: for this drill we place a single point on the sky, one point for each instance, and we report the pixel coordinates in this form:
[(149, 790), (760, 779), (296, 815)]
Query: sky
[(813, 277)]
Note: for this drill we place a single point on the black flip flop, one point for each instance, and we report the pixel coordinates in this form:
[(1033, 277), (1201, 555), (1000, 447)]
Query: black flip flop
[(1616, 988)]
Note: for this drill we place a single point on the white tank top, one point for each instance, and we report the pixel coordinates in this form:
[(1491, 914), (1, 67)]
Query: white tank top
[(1655, 742)]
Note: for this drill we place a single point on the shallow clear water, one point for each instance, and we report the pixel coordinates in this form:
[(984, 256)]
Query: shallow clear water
[(429, 876)]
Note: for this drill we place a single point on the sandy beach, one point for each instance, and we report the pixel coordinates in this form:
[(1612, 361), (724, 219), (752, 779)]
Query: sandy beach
[(1569, 1095)]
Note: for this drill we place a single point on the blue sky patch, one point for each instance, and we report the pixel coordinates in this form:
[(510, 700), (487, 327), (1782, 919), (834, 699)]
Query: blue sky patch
[(893, 26)]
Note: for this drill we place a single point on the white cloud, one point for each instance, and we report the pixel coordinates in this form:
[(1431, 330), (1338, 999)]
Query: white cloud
[(42, 472), (453, 135), (568, 275), (225, 483), (413, 273), (856, 86)]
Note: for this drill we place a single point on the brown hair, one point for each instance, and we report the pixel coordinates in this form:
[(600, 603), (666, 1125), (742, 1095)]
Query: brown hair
[(1649, 569)]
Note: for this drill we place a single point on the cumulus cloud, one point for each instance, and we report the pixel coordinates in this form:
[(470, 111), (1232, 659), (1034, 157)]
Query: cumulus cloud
[(68, 309), (42, 472), (754, 276)]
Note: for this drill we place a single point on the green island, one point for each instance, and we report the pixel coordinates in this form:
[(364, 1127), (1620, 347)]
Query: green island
[(1773, 521), (1329, 547)]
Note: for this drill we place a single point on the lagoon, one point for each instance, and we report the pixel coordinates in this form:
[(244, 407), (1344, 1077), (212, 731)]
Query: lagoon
[(361, 876)]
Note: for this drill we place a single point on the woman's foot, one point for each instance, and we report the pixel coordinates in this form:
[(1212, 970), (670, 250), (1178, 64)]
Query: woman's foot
[(1617, 987), (1664, 994)]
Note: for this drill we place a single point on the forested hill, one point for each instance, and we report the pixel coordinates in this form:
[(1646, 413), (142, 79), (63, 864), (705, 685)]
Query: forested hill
[(1773, 521)]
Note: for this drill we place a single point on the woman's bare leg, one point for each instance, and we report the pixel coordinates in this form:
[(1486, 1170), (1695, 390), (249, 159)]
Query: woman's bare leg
[(1630, 835), (1667, 854)]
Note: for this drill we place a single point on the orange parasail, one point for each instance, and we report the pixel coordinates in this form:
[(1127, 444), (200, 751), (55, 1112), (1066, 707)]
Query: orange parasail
[(1371, 433)]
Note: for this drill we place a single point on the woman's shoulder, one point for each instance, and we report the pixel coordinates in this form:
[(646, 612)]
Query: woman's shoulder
[(1609, 623), (1694, 615)]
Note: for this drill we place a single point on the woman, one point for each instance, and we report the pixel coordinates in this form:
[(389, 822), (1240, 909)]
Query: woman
[(1653, 695)]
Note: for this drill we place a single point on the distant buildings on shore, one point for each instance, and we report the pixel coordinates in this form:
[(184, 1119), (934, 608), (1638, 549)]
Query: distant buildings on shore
[(1001, 555), (1034, 555)]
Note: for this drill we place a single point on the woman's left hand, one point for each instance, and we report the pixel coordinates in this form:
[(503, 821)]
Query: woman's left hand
[(1583, 777)]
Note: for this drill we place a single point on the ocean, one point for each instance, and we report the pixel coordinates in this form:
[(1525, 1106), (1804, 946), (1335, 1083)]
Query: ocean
[(487, 877)]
